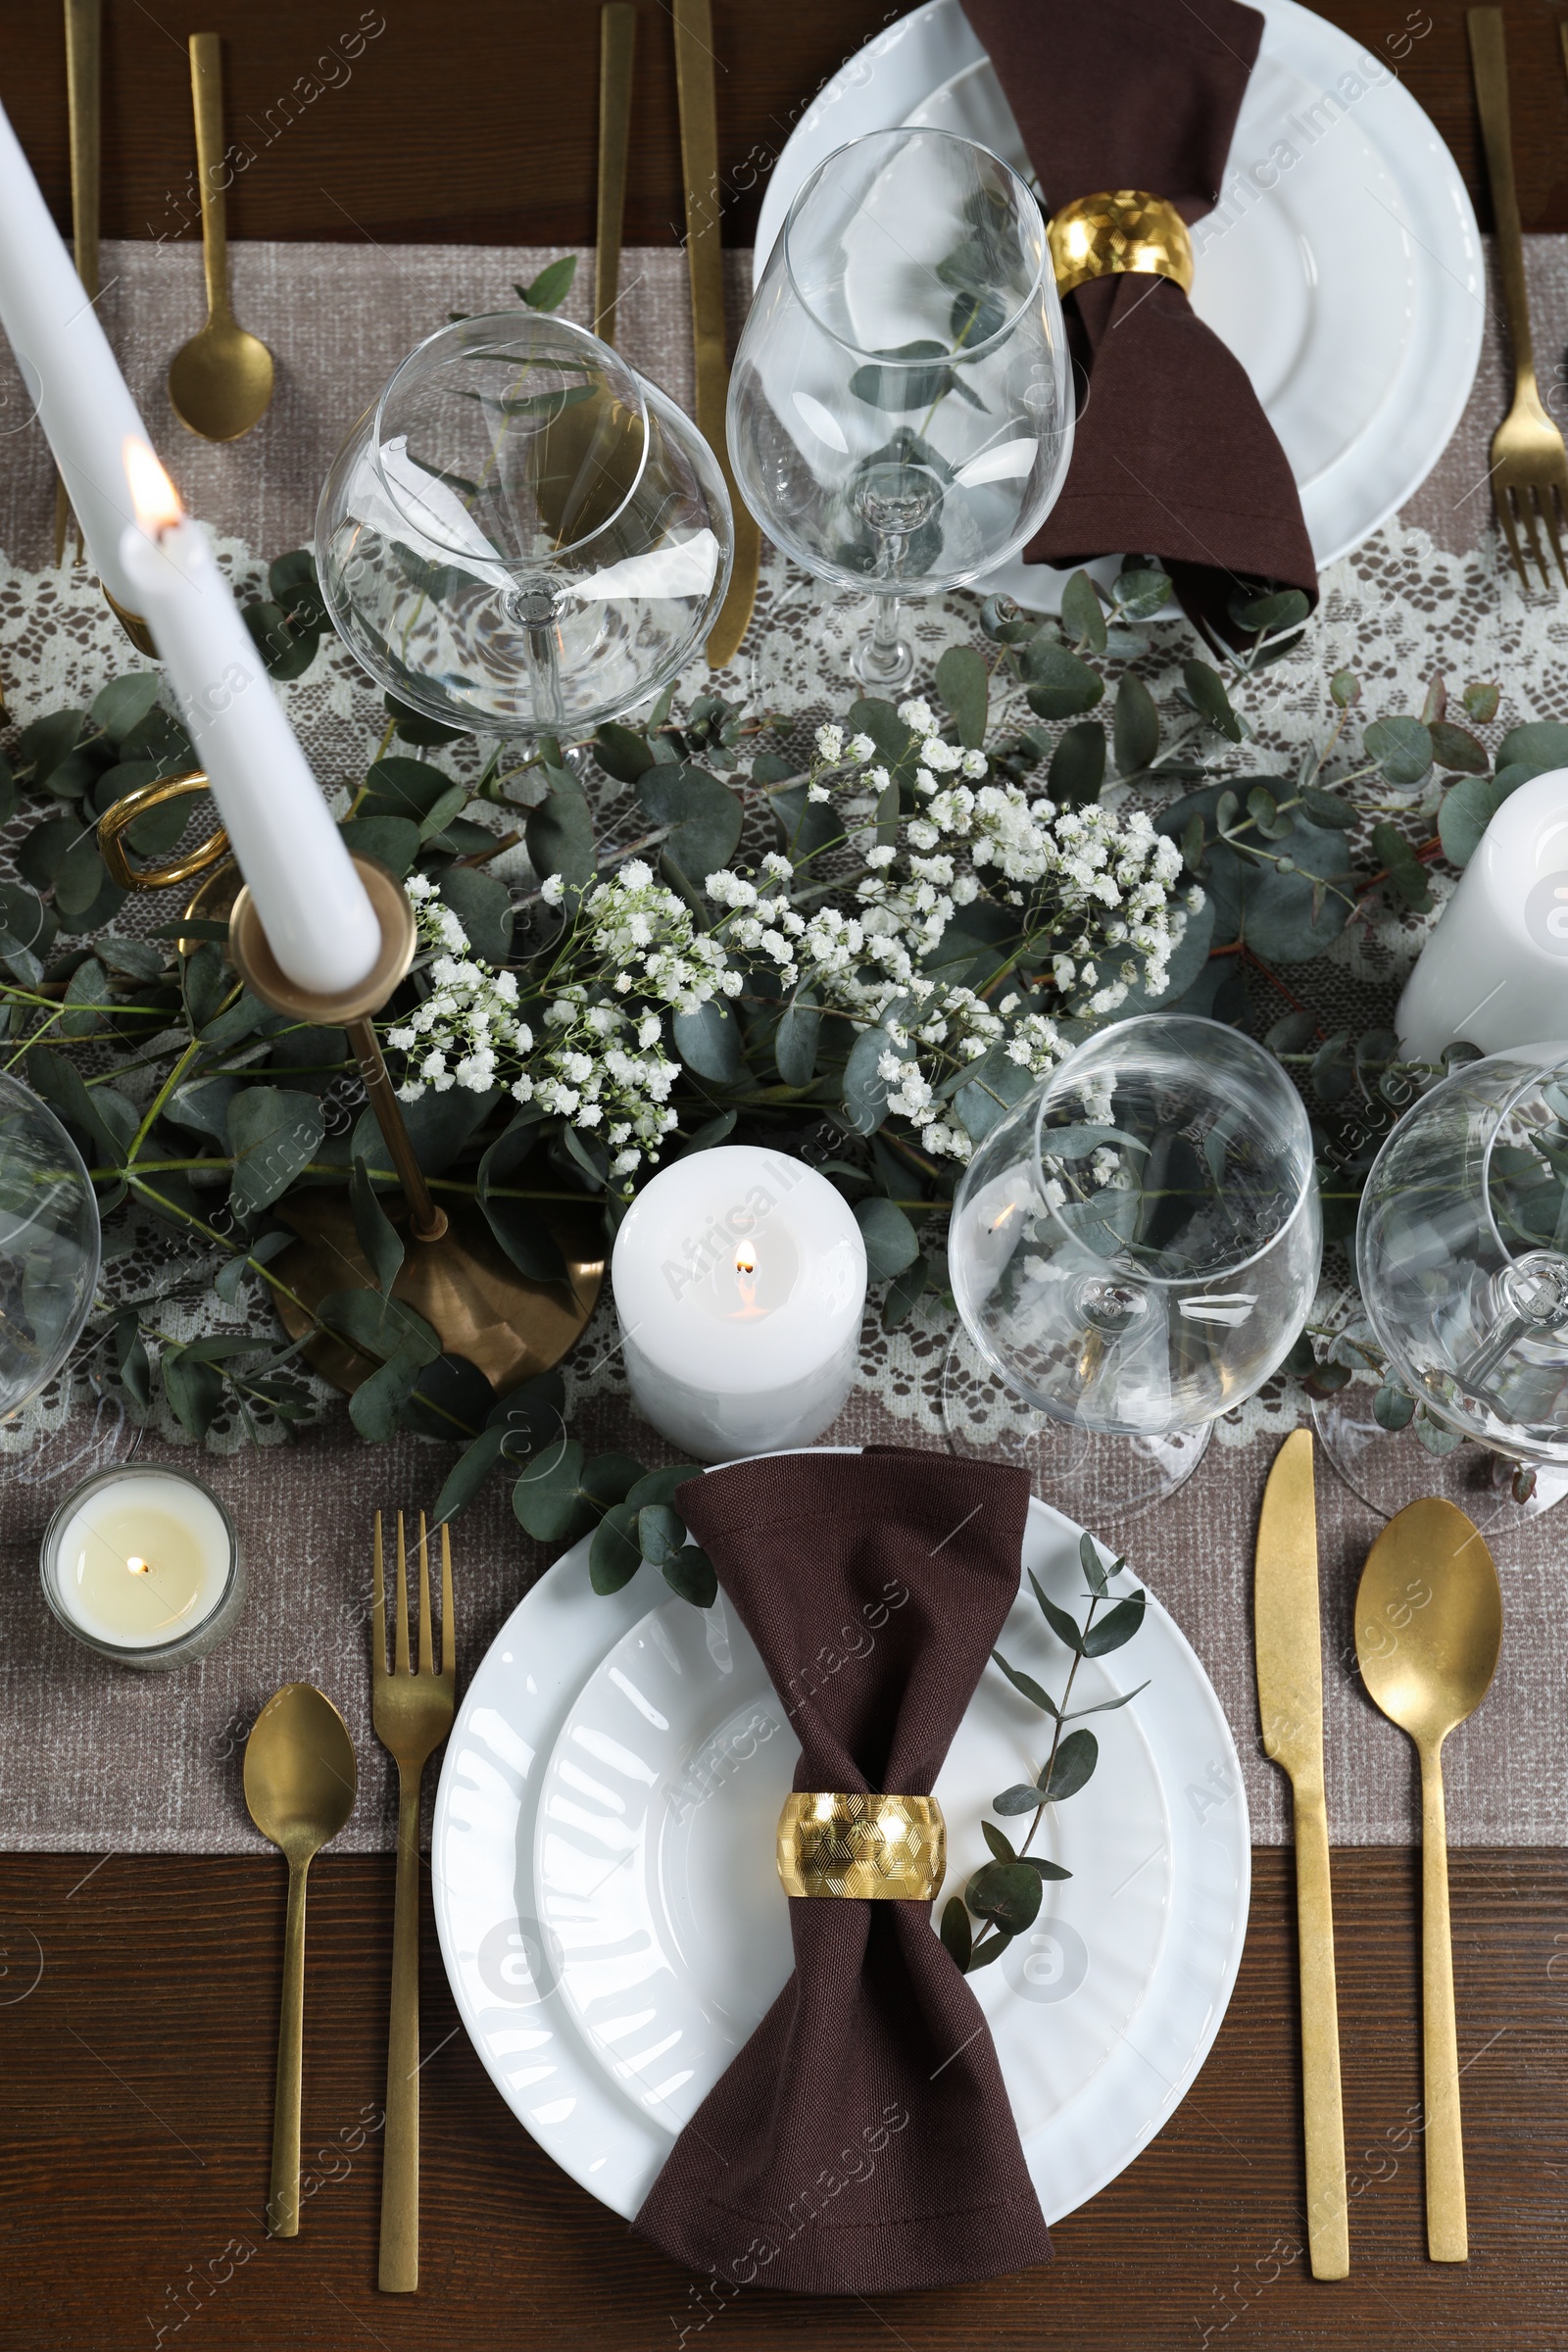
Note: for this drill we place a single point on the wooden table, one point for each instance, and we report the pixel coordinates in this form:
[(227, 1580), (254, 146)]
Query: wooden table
[(476, 119), (139, 2081), (138, 2070)]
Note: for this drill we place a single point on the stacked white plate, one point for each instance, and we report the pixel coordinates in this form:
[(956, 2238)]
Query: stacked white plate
[(1342, 265), (611, 1919)]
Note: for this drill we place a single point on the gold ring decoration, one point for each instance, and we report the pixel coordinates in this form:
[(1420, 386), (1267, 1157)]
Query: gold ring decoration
[(135, 626), (1122, 230), (889, 1849), (123, 814)]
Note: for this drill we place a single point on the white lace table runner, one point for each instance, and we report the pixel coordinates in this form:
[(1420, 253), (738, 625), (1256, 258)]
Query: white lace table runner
[(96, 1760)]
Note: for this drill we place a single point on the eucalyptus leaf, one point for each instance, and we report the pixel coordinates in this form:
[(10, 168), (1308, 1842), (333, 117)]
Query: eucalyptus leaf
[(1083, 616), (704, 815), (615, 1555), (1135, 727), (1025, 1683), (482, 904), (548, 1499), (1206, 690), (794, 1041), (691, 1574), (122, 705), (519, 1225), (957, 1936), (1078, 766), (708, 1041), (963, 683), (1008, 1892), (1077, 1755), (273, 1133), (374, 1229), (889, 1237), (1057, 684), (560, 837), (1116, 1628), (1402, 747)]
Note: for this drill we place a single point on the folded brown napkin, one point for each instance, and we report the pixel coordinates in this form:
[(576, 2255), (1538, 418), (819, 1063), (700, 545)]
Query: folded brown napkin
[(862, 2139), (1173, 456)]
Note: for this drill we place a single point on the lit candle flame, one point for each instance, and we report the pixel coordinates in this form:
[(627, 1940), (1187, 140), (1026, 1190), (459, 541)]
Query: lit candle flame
[(138, 1566), (153, 495), (745, 1261)]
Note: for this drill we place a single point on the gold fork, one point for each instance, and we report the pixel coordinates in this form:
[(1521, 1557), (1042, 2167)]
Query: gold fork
[(413, 1709), (1529, 462)]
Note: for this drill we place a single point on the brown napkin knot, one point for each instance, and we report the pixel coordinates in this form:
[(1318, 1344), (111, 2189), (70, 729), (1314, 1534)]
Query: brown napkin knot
[(861, 2141), (1173, 456)]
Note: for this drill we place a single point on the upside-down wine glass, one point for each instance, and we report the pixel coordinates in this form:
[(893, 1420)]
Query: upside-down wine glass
[(900, 404), (49, 1249), (1134, 1249), (1461, 1253), (523, 536)]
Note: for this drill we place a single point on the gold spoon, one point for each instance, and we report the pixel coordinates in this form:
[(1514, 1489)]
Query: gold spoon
[(299, 1786), (221, 380), (1428, 1628)]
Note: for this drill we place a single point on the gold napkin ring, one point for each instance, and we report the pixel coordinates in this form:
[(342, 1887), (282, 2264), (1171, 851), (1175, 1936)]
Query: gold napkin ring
[(1122, 230), (873, 1849)]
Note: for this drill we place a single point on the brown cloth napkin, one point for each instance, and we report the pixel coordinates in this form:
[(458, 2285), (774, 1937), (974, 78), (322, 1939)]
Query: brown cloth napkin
[(1173, 456), (863, 2140)]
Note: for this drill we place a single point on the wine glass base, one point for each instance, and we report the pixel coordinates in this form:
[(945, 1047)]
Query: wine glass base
[(1090, 1476), (1385, 1469), (82, 1427), (882, 665)]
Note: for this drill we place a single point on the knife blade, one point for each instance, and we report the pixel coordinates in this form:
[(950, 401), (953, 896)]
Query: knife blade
[(1288, 1635), (705, 262), (82, 77)]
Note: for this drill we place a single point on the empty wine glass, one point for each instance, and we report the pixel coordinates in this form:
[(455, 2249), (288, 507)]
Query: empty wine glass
[(523, 536), (900, 404), (1463, 1256), (1134, 1249)]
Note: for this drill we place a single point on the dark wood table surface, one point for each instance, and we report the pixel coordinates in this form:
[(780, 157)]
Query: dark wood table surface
[(138, 1999)]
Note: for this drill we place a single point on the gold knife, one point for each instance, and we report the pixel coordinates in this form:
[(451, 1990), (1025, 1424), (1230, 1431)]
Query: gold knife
[(82, 53), (1290, 1696), (699, 156), (618, 51)]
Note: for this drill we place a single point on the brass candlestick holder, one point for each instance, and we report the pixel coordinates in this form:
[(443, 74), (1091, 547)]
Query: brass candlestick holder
[(455, 1273)]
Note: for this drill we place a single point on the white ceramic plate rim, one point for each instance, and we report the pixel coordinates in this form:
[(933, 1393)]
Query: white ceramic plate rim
[(485, 1816), (903, 67)]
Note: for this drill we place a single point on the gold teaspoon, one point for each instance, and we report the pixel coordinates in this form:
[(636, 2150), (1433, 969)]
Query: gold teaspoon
[(221, 380), (299, 1786), (1428, 1628)]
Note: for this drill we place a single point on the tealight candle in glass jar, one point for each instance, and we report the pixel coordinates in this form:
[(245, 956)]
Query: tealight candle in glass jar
[(142, 1565)]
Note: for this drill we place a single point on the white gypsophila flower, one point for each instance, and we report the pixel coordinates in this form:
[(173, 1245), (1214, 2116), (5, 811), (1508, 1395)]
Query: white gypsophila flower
[(917, 716), (860, 749), (830, 743)]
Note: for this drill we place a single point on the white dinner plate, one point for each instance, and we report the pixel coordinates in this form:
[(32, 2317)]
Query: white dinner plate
[(1351, 288), (612, 1925)]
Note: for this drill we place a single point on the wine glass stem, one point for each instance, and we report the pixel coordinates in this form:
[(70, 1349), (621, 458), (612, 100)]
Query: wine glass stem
[(544, 674), (884, 655)]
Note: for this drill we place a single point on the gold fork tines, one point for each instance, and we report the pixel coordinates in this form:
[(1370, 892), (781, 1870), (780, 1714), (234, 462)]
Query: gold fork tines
[(1529, 462), (412, 1705)]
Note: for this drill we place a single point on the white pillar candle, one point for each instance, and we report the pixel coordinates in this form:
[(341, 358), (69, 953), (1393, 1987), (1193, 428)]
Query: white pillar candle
[(141, 1564), (69, 372), (319, 920), (1495, 970), (739, 1278)]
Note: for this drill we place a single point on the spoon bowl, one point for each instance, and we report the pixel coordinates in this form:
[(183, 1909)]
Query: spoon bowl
[(1427, 1631), (300, 1782), (220, 382), (1429, 1620), (298, 1771)]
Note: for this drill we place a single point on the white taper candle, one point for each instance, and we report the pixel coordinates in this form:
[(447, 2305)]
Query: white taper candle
[(69, 372), (318, 922)]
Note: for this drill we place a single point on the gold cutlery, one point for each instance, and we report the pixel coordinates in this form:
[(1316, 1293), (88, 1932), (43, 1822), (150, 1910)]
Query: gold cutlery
[(705, 262), (1428, 1628), (617, 50), (221, 381), (83, 54), (412, 1708), (299, 1787), (1290, 1697), (1529, 462)]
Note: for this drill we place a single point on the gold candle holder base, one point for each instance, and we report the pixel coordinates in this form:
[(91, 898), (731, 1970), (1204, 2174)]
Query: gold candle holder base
[(454, 1274), (135, 628)]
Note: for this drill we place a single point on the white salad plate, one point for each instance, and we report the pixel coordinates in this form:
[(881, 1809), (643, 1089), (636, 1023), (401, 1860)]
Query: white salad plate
[(1345, 275), (613, 1924)]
